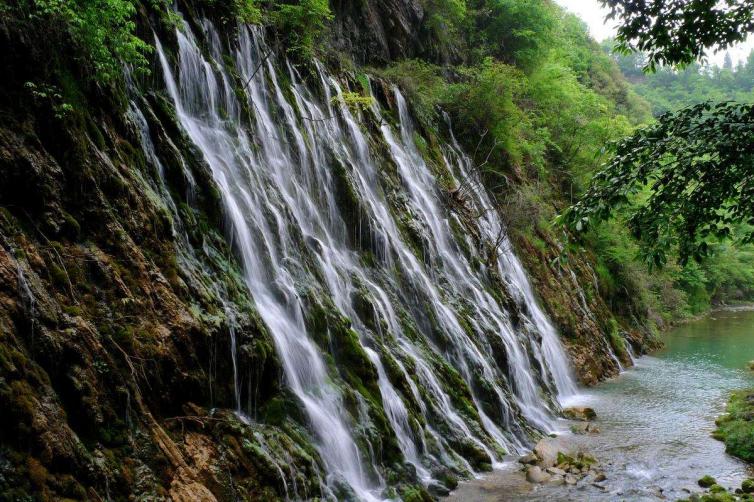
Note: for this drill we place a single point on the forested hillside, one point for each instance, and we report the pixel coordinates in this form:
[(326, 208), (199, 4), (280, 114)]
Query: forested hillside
[(726, 275), (669, 89)]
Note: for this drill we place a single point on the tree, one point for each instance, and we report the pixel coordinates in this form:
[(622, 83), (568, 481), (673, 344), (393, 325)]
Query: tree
[(692, 173), (680, 31), (688, 178), (518, 32), (728, 63)]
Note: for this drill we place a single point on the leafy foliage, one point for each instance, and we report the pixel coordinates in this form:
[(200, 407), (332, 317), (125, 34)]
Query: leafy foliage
[(103, 29), (355, 101), (685, 180), (680, 31), (445, 19), (302, 22), (519, 32), (247, 11)]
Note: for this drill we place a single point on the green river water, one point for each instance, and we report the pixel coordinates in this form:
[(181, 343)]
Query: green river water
[(655, 420)]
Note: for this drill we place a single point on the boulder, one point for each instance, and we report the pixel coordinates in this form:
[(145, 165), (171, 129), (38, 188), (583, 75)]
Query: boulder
[(536, 475), (556, 471), (748, 486), (707, 481), (528, 459), (600, 477), (570, 479), (582, 413), (547, 451)]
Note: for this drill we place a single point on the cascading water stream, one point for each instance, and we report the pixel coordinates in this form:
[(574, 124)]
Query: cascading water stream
[(553, 355), (420, 185), (276, 173), (262, 242)]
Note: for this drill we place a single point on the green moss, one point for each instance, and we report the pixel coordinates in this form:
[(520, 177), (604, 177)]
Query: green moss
[(415, 494), (124, 337), (58, 275), (748, 486), (736, 428), (580, 461), (363, 80), (706, 481), (72, 226)]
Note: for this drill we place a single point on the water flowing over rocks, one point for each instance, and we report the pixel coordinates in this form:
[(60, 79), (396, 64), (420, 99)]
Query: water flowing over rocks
[(241, 287)]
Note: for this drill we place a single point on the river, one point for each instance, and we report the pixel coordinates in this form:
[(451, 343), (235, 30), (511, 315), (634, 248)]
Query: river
[(655, 421)]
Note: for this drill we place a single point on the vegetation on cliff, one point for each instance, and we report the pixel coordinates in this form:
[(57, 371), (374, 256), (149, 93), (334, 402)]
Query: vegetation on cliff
[(659, 178), (537, 104)]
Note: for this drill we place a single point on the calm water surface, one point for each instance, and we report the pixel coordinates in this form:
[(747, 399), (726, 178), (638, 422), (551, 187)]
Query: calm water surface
[(655, 420)]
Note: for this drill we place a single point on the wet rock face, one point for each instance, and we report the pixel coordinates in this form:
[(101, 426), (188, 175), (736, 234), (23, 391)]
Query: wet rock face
[(378, 31), (585, 322), (110, 328)]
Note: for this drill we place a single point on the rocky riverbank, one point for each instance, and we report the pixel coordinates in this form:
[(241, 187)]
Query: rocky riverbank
[(555, 461), (651, 441)]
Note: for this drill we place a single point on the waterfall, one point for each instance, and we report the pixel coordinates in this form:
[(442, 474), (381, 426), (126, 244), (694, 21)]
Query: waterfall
[(394, 266), (551, 352)]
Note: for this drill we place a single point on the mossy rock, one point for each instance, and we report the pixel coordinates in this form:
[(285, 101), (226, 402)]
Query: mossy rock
[(748, 486), (707, 481), (415, 494)]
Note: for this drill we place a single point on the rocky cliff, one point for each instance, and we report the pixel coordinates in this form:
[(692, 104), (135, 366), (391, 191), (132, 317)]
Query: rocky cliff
[(138, 357)]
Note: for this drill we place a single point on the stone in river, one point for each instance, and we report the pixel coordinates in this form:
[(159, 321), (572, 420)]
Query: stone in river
[(582, 413), (547, 451), (748, 486), (528, 459), (556, 480), (536, 475), (707, 481), (580, 428)]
